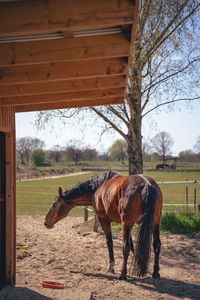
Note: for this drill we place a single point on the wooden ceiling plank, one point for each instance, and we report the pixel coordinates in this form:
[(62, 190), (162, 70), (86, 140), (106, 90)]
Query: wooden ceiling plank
[(54, 97), (44, 16), (66, 49), (63, 70), (69, 104), (70, 85)]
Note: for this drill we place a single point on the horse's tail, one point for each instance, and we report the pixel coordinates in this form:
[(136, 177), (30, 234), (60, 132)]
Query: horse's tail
[(143, 243)]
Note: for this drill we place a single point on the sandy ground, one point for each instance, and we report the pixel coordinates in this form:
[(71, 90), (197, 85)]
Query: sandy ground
[(77, 258)]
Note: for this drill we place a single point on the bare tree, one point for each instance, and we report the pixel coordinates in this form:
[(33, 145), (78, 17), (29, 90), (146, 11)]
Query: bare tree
[(25, 145), (55, 153), (162, 144), (197, 145), (163, 71)]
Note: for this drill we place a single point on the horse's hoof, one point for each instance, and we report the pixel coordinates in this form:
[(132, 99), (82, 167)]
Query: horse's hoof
[(156, 275), (110, 271), (122, 277)]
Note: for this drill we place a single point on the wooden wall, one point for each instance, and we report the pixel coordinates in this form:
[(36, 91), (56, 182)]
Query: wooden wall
[(7, 196)]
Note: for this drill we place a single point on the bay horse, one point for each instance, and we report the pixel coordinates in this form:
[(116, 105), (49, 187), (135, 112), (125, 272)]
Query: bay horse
[(121, 199)]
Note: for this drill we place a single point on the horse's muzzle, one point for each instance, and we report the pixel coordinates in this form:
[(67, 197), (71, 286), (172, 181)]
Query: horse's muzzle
[(48, 224)]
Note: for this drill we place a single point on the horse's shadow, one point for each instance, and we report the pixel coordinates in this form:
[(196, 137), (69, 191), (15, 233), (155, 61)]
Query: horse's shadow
[(176, 288)]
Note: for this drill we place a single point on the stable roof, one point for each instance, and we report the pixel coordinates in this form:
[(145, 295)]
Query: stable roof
[(61, 54)]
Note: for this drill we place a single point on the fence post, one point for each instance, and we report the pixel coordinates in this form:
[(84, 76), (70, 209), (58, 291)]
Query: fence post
[(195, 195), (85, 214), (96, 223), (186, 194)]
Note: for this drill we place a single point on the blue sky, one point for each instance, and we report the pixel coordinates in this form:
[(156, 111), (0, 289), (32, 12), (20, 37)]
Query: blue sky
[(183, 125)]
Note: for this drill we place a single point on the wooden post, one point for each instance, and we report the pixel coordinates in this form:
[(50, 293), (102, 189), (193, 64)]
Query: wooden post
[(10, 209), (2, 209), (96, 223), (85, 214), (195, 195), (186, 193), (8, 196)]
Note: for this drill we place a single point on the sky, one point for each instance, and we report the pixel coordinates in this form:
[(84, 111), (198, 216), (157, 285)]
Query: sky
[(183, 125)]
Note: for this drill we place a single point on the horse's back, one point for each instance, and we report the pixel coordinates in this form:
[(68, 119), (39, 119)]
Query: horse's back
[(122, 195)]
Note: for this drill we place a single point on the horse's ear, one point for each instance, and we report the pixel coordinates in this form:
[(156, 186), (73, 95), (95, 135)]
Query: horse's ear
[(60, 191)]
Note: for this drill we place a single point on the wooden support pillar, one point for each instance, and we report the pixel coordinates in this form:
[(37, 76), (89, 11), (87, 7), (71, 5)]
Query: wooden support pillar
[(2, 207), (7, 196)]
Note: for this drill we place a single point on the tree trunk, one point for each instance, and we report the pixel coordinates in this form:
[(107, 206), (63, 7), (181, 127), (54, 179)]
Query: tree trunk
[(135, 155), (134, 137), (22, 158)]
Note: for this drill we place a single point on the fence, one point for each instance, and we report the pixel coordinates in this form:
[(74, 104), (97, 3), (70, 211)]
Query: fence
[(179, 196), (184, 196)]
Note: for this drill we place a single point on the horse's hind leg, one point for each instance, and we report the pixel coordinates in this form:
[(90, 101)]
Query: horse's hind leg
[(131, 244), (105, 224), (156, 247), (126, 249)]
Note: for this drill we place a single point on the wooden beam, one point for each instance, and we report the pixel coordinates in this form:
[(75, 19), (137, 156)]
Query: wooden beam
[(59, 97), (70, 85), (66, 49), (69, 104), (7, 120), (10, 209), (63, 70), (2, 208), (52, 15)]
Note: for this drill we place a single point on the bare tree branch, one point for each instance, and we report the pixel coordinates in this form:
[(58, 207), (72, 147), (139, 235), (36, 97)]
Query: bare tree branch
[(160, 40), (151, 85), (109, 122), (170, 102), (115, 112)]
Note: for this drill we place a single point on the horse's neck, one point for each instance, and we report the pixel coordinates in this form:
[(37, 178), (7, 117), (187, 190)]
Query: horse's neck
[(85, 199)]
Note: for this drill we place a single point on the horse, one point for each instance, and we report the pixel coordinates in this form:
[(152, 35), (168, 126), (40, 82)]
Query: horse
[(122, 199)]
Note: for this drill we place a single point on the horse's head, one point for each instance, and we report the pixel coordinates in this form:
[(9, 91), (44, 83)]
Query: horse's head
[(58, 210)]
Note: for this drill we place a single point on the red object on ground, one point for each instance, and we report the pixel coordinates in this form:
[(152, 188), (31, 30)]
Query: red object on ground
[(52, 285)]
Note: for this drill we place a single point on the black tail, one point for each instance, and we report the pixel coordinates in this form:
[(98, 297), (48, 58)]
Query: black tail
[(143, 243)]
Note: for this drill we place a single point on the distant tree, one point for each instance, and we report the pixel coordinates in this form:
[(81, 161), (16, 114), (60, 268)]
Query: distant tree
[(74, 154), (162, 143), (155, 156), (103, 157), (118, 150), (197, 145), (55, 153), (37, 156), (146, 149), (36, 143), (25, 145), (188, 155), (89, 154)]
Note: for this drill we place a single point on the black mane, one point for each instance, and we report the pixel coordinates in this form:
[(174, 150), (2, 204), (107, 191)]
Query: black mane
[(90, 185)]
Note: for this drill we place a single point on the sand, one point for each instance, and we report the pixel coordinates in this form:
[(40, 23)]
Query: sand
[(77, 257)]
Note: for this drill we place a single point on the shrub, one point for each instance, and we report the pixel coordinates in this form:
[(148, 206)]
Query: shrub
[(181, 223), (37, 157)]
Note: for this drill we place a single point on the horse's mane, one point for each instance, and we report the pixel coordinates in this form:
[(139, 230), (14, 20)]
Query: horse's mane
[(90, 185)]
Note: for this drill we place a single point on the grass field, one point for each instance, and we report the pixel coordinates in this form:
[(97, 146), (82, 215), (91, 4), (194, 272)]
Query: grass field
[(35, 197)]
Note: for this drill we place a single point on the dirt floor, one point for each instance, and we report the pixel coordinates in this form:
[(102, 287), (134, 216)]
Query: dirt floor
[(77, 258)]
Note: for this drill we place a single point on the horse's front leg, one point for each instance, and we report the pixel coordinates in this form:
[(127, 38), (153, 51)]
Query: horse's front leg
[(105, 224), (126, 249)]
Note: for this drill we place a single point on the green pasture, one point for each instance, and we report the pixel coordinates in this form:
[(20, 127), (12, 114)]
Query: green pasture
[(35, 197)]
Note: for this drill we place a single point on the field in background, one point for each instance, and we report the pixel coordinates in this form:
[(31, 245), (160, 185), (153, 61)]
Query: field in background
[(35, 197), (62, 168)]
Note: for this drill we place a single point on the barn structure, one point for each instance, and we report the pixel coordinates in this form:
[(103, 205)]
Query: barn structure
[(55, 54)]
